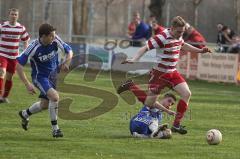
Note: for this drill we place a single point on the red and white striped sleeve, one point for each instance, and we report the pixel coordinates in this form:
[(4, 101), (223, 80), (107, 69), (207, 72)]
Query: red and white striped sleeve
[(25, 35), (156, 42)]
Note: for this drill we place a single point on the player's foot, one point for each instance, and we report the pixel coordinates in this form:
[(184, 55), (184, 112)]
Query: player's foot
[(124, 86), (4, 100), (181, 129), (160, 128), (57, 133), (25, 121)]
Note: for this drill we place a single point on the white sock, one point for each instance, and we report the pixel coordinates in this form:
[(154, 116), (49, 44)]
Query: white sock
[(137, 135), (154, 125), (35, 108), (53, 112)]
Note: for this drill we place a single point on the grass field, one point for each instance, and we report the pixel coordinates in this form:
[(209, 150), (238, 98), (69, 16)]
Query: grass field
[(107, 136)]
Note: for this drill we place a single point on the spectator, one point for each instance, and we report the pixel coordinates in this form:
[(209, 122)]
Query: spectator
[(235, 46), (220, 39), (193, 36), (157, 29), (150, 24), (228, 35), (141, 32), (132, 25)]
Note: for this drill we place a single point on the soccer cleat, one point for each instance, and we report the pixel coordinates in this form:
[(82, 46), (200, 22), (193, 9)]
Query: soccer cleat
[(25, 121), (124, 86), (4, 100), (57, 133), (181, 129)]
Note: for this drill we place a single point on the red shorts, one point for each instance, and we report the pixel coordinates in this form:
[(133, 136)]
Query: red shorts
[(160, 80), (8, 64)]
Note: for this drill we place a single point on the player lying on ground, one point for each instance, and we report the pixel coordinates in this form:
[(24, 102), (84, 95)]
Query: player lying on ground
[(146, 124), (170, 43), (44, 54)]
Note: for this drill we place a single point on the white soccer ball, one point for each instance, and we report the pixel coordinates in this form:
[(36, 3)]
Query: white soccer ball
[(214, 137)]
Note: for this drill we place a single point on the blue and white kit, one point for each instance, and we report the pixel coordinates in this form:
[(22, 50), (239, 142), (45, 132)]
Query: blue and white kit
[(142, 122), (44, 62)]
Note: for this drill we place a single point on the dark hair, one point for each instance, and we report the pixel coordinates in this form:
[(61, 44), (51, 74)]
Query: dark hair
[(13, 10), (45, 29), (225, 28), (170, 95)]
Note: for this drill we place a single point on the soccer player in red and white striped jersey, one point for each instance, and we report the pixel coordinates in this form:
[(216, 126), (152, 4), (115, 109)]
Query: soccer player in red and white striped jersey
[(170, 43), (11, 33)]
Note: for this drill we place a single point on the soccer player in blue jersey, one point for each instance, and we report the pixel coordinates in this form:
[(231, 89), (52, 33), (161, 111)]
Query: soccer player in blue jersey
[(44, 59), (147, 123)]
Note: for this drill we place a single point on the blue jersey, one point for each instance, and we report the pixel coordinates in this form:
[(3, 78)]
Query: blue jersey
[(140, 122), (44, 59)]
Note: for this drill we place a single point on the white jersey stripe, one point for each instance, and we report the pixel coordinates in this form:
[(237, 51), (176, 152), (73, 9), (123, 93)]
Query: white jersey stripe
[(9, 43), (166, 43)]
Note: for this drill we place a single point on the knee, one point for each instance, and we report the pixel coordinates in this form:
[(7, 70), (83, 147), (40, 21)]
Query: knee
[(187, 94), (55, 98), (9, 77), (2, 73), (53, 95)]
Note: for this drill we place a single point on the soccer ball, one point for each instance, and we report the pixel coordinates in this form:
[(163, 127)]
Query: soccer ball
[(214, 137)]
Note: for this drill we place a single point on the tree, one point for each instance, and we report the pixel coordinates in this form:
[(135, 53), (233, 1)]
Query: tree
[(237, 7), (156, 8), (80, 12), (76, 23), (108, 3), (46, 10), (196, 5), (84, 18)]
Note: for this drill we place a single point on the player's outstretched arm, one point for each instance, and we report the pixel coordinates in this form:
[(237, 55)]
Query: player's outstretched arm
[(161, 107), (190, 48), (138, 55), (24, 79)]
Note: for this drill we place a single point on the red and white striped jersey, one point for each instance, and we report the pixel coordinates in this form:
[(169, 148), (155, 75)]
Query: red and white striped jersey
[(168, 55), (10, 37)]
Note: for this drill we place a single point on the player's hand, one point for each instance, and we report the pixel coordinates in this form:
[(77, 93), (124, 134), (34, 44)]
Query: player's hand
[(206, 50), (30, 89), (170, 112), (64, 67), (130, 61)]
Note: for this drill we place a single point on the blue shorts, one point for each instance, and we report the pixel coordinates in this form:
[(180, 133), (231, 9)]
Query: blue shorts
[(44, 84), (139, 127)]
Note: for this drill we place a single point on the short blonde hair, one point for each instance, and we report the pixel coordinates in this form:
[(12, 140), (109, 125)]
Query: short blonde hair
[(178, 22)]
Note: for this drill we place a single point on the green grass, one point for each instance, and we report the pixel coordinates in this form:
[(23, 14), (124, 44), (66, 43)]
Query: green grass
[(107, 136)]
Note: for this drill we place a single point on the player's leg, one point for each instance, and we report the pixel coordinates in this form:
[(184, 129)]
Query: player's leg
[(3, 65), (53, 97), (135, 89), (157, 82), (7, 87), (183, 90), (33, 109), (10, 70)]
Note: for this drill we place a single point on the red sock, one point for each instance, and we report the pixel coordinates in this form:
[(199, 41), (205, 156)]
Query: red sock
[(8, 86), (140, 94), (1, 86), (181, 109)]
